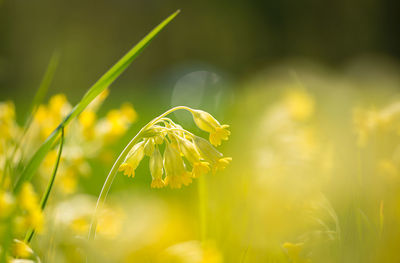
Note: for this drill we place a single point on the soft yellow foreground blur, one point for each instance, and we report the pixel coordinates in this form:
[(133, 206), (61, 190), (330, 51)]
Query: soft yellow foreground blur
[(314, 178)]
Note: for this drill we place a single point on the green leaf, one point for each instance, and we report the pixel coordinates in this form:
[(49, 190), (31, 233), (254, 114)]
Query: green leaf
[(105, 81), (45, 197), (39, 96), (46, 81)]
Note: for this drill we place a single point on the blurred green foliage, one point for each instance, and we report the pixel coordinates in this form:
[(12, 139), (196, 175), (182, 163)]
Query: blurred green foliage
[(236, 37)]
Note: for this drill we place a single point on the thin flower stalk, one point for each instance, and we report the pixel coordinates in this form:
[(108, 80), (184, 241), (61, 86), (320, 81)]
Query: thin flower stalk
[(180, 146)]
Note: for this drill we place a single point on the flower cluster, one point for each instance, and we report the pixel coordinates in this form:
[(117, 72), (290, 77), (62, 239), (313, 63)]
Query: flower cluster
[(9, 133), (90, 136), (186, 156), (22, 211), (18, 213)]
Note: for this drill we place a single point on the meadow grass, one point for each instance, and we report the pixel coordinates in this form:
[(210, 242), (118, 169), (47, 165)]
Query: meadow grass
[(314, 175), (18, 182)]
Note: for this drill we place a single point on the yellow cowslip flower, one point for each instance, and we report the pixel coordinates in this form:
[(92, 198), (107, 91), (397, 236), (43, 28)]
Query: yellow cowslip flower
[(129, 112), (80, 225), (149, 146), (159, 138), (7, 204), (49, 116), (132, 160), (21, 250), (208, 123), (176, 174), (58, 103), (35, 219), (299, 103), (68, 181), (29, 219), (199, 167), (181, 148), (211, 154), (193, 251), (8, 125), (28, 201), (156, 169), (41, 114), (110, 222), (27, 198), (117, 121), (7, 111), (221, 164), (87, 120), (117, 125)]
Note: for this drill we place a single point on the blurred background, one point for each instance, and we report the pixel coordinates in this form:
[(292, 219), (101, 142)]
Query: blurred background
[(233, 38), (311, 90)]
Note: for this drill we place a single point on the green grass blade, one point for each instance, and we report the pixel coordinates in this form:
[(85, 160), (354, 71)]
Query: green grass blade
[(46, 194), (118, 68), (39, 96), (46, 81), (105, 81)]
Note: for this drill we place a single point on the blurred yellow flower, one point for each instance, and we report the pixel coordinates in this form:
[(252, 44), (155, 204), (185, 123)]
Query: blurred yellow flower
[(48, 117), (299, 103), (58, 104), (21, 250), (129, 112), (68, 181), (8, 126), (41, 114), (27, 198), (117, 122), (89, 135), (7, 111), (193, 252), (7, 204), (80, 225), (28, 201), (88, 119)]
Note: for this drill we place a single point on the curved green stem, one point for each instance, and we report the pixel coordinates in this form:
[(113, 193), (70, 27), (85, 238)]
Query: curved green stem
[(46, 194), (113, 172)]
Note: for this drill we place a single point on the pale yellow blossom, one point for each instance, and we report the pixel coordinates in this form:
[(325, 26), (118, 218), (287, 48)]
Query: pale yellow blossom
[(208, 123)]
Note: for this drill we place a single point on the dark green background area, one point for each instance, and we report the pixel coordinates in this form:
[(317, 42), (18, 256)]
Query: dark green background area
[(237, 38)]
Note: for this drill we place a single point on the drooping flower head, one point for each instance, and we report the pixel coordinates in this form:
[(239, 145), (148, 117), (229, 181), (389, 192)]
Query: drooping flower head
[(186, 156)]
